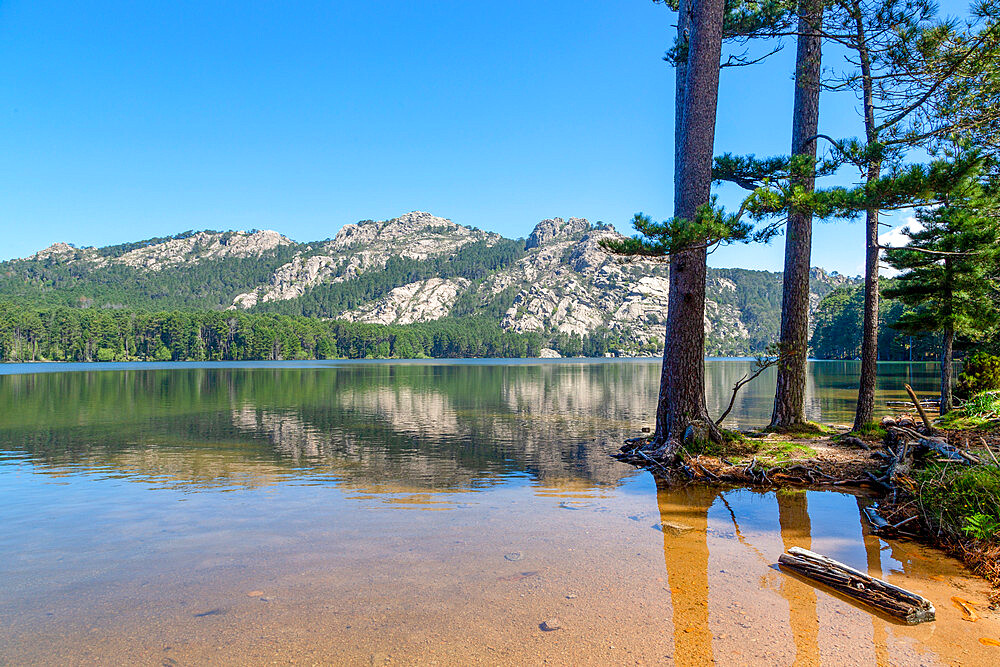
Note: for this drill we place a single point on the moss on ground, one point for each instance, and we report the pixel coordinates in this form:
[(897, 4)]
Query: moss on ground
[(737, 445), (733, 443), (869, 431)]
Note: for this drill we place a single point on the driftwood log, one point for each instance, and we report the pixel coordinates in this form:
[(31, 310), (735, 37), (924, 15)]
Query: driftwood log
[(897, 602)]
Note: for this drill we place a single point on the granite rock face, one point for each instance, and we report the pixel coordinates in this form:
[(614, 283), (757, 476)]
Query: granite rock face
[(421, 301)]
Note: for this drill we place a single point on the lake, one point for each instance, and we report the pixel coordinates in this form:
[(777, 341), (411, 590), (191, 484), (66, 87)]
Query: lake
[(424, 513)]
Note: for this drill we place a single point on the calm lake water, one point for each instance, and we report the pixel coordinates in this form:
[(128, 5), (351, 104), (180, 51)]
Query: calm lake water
[(422, 513)]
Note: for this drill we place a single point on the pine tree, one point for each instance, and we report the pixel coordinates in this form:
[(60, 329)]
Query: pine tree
[(789, 396), (900, 59), (697, 224), (950, 266), (919, 80)]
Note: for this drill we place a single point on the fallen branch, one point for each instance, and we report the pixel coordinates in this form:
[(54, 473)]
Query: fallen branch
[(920, 408), (762, 364)]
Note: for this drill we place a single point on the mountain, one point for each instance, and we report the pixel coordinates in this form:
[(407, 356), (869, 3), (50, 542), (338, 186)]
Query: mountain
[(415, 268)]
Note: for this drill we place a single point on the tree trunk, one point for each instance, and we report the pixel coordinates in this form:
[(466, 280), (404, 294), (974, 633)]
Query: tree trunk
[(680, 81), (789, 397), (948, 340), (685, 354), (865, 410)]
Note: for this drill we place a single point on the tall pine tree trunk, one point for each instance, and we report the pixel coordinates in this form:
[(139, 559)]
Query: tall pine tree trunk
[(865, 411), (789, 397), (685, 358), (947, 343), (948, 337), (680, 81)]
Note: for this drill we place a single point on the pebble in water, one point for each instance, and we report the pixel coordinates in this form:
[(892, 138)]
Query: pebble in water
[(255, 594), (550, 624), (674, 529), (514, 555)]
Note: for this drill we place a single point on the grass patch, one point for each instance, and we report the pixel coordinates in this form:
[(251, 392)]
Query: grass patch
[(806, 430), (869, 431), (782, 451), (962, 501)]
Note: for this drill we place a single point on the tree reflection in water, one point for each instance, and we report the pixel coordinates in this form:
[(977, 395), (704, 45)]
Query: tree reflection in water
[(796, 531), (684, 520)]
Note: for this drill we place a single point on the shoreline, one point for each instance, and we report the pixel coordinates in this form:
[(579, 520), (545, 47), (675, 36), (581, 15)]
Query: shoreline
[(839, 459)]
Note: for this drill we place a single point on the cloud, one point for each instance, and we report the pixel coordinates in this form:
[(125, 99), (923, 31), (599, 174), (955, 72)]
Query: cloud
[(896, 238)]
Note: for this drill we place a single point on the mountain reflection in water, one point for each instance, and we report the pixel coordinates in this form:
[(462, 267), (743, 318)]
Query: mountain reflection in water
[(141, 506), (431, 426)]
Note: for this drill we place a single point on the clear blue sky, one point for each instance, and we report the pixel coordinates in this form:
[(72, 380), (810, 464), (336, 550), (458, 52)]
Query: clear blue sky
[(126, 120)]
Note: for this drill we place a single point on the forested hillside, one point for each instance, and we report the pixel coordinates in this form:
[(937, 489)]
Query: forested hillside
[(559, 286), (192, 279)]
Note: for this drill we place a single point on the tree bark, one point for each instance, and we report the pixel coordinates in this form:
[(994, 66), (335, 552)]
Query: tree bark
[(789, 397), (948, 337), (948, 340), (865, 410), (685, 353), (680, 82)]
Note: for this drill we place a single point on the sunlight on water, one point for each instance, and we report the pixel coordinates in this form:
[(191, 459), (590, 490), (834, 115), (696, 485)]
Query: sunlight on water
[(377, 512)]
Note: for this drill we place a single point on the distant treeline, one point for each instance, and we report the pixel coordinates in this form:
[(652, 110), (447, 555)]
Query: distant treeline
[(104, 334), (837, 334), (90, 334)]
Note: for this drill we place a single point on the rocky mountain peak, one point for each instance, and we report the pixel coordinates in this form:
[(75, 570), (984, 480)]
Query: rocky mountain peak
[(834, 278), (367, 231), (59, 251), (546, 230), (201, 246)]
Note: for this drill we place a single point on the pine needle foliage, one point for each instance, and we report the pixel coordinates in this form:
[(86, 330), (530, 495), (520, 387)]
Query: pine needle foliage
[(950, 263)]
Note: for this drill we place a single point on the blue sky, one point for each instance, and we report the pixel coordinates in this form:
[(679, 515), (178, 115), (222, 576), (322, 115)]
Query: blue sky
[(125, 120)]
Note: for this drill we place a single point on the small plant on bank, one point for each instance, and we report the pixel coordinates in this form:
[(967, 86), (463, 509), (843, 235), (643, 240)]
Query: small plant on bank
[(985, 405), (961, 500), (981, 526), (980, 411)]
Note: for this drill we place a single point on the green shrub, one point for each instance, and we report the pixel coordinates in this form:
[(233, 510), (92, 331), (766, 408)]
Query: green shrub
[(980, 372)]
